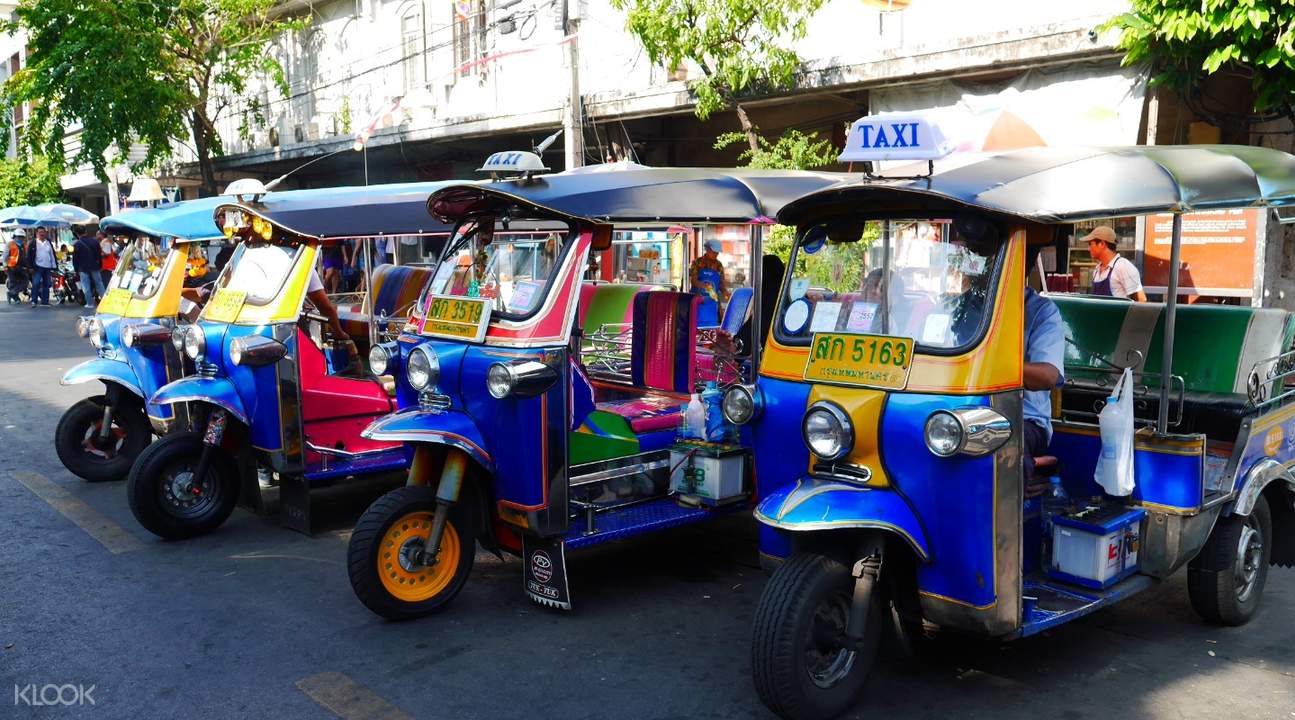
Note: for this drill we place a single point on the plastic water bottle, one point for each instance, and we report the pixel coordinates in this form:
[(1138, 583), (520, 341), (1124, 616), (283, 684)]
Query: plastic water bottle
[(716, 427), (695, 418), (1055, 502)]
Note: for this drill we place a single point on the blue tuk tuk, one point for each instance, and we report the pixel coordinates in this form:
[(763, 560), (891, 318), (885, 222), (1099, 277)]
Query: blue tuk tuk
[(542, 408), (905, 507), (278, 395), (98, 438)]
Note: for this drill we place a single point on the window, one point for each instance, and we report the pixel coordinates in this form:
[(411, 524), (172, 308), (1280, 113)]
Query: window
[(258, 270), (514, 269), (411, 49), (469, 35)]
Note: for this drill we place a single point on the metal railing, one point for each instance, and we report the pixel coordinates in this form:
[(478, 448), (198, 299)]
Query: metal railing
[(1267, 382)]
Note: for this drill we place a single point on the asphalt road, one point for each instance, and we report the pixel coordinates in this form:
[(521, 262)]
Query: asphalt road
[(255, 621)]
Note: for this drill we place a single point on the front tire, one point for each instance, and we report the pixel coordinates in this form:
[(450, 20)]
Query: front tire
[(1226, 581), (801, 666), (165, 497), (382, 574), (81, 450)]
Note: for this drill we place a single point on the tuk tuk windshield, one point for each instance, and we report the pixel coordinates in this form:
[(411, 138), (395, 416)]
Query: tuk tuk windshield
[(513, 268), (940, 283), (258, 269), (139, 267)]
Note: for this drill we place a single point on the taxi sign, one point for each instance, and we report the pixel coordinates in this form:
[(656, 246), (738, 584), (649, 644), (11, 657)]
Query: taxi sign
[(114, 302), (225, 305), (877, 361), (457, 318), (513, 162), (895, 136)]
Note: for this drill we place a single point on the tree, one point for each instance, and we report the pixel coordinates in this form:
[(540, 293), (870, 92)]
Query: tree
[(1187, 41), (741, 46), (157, 72), (28, 182)]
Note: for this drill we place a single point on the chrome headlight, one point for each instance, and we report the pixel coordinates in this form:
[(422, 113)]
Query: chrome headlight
[(380, 357), (970, 431), (95, 333), (177, 337), (254, 350), (827, 431), (128, 336), (740, 404), (520, 378), (83, 325), (424, 368), (195, 342)]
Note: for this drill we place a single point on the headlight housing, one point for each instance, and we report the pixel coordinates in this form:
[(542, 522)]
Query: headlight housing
[(972, 431), (827, 431), (94, 332), (255, 350), (424, 368), (195, 342), (520, 378), (740, 404), (83, 325), (380, 357)]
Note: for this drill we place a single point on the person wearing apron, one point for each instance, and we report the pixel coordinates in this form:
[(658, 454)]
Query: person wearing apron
[(707, 279), (1115, 275)]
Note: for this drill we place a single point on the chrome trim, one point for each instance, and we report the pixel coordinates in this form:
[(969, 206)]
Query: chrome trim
[(983, 430), (144, 334), (343, 453), (208, 399), (841, 417), (526, 378), (256, 350), (1264, 473), (106, 378)]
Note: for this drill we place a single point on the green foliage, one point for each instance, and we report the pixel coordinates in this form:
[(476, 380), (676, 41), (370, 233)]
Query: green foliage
[(28, 182), (794, 150), (157, 72), (741, 46), (1185, 41)]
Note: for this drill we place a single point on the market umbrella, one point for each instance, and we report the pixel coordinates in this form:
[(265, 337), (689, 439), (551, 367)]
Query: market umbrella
[(18, 215), (64, 214)]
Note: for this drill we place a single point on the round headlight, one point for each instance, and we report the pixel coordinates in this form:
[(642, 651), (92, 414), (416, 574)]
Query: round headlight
[(128, 336), (379, 359), (177, 337), (827, 431), (83, 325), (194, 342), (499, 381), (738, 405), (424, 367), (94, 331), (943, 433)]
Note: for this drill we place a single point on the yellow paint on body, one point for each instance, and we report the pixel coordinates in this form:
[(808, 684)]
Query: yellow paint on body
[(286, 306), (864, 407)]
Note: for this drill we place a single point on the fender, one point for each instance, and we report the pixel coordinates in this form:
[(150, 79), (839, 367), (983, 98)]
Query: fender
[(824, 503), (439, 427), (217, 391), (1260, 475), (109, 371)]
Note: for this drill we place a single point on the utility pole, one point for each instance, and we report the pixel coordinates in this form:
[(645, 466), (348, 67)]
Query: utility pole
[(573, 134)]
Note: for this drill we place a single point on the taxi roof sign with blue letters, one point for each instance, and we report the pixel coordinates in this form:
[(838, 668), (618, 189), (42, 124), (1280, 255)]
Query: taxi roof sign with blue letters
[(895, 136), (518, 161)]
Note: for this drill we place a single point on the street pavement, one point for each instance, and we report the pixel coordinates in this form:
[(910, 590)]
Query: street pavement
[(255, 621)]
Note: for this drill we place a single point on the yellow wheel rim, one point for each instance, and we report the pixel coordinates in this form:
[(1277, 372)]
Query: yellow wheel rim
[(416, 583)]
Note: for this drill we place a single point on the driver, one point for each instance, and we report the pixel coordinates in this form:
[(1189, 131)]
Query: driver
[(319, 298), (1045, 339)]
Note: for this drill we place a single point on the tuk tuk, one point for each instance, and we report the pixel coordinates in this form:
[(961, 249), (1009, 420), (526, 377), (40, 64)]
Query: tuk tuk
[(906, 508), (543, 411), (277, 395), (99, 437)]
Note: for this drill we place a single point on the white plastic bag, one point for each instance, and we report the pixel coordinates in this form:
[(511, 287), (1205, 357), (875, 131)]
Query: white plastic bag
[(1115, 464)]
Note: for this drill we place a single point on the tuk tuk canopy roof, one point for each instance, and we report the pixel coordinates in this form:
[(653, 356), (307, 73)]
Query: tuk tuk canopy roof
[(345, 212), (1053, 185), (639, 194), (185, 220)]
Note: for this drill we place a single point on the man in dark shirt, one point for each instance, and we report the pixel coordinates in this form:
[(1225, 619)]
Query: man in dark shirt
[(87, 260)]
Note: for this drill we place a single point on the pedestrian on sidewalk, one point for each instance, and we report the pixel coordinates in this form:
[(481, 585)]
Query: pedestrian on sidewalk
[(16, 266), (41, 262), (87, 261), (108, 255)]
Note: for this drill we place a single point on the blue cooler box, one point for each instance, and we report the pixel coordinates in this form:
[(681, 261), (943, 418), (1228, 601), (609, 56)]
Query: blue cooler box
[(1096, 547)]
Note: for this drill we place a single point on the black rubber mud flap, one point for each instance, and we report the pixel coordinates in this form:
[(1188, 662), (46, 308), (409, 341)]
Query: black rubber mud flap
[(294, 503), (545, 575)]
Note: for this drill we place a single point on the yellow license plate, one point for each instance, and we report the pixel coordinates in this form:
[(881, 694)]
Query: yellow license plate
[(114, 302), (878, 361), (225, 305), (456, 317)]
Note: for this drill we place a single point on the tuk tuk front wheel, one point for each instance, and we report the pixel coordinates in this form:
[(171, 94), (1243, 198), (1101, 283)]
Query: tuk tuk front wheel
[(166, 497), (85, 451), (803, 665), (383, 557), (1226, 581)]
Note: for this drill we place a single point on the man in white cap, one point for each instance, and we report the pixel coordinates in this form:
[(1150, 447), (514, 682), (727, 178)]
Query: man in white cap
[(1115, 275), (706, 277)]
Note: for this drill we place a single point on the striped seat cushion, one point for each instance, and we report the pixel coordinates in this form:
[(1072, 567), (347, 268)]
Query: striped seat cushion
[(664, 340)]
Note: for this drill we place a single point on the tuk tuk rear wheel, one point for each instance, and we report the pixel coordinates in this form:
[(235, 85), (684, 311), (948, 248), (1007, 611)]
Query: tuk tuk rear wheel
[(1226, 580), (801, 663), (168, 500), (380, 562), (81, 449)]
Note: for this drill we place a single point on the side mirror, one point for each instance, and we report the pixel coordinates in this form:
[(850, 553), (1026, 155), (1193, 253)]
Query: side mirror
[(602, 238)]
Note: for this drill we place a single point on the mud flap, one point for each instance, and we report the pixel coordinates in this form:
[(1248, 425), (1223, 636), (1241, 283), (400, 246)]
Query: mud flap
[(545, 573)]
